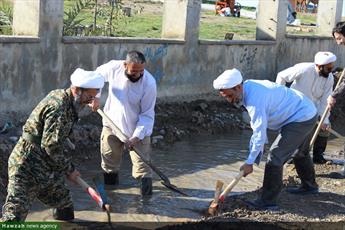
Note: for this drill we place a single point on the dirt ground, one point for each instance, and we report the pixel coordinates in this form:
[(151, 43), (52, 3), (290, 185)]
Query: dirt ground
[(327, 206), (211, 115)]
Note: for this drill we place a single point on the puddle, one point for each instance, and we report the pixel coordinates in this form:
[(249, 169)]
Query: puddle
[(193, 166)]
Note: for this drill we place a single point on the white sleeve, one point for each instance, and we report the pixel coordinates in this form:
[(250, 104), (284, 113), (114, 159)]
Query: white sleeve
[(323, 102), (289, 75), (145, 122), (107, 71)]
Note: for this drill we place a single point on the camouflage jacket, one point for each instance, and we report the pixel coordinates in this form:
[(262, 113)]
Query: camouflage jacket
[(339, 94), (49, 124)]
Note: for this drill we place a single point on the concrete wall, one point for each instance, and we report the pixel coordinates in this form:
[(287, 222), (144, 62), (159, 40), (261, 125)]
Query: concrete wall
[(32, 66)]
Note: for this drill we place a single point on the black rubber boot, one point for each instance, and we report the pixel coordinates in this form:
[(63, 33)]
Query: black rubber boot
[(271, 188), (306, 172), (146, 186), (318, 150), (63, 214), (340, 174), (111, 179)]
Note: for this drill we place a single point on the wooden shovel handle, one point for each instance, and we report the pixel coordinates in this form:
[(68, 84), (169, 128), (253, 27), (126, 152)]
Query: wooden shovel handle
[(119, 133), (123, 138), (219, 186), (332, 131), (325, 113), (232, 184)]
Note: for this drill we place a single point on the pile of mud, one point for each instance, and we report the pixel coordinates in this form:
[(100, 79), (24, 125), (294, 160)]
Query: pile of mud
[(294, 210)]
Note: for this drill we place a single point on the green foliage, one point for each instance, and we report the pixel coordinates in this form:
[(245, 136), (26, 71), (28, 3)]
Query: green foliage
[(79, 18), (215, 27), (6, 17), (70, 21)]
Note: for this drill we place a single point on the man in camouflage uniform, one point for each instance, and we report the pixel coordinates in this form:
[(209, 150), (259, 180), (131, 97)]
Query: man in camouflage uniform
[(37, 165), (338, 95)]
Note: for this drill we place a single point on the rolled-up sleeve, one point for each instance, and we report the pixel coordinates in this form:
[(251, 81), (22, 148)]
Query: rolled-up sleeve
[(259, 137)]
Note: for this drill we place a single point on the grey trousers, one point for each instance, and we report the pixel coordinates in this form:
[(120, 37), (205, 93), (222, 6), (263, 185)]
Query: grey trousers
[(112, 150), (292, 141)]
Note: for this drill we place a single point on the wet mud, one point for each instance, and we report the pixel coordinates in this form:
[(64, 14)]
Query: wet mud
[(195, 143)]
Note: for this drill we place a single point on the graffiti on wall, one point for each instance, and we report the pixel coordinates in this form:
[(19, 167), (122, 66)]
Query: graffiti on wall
[(247, 60), (154, 57)]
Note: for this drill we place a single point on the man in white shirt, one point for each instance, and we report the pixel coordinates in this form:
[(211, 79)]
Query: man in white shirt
[(130, 105), (275, 107), (315, 80)]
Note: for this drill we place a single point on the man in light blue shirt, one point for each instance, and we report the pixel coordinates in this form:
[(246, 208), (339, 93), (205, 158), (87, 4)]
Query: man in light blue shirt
[(275, 107)]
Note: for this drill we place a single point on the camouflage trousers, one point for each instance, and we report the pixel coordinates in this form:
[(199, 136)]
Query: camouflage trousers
[(30, 176)]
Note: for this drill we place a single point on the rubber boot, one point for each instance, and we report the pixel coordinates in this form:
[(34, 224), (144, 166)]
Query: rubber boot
[(63, 214), (271, 188), (111, 178), (146, 186), (340, 174), (306, 172), (318, 150)]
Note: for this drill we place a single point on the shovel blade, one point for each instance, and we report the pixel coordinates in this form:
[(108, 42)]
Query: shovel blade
[(100, 188), (174, 188), (214, 208)]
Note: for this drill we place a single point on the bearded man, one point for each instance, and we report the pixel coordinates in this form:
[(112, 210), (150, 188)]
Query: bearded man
[(315, 80), (130, 105), (37, 166)]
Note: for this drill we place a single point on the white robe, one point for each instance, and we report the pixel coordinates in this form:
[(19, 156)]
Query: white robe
[(306, 79)]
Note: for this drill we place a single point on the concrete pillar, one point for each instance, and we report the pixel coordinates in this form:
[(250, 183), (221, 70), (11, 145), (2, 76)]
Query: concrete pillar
[(37, 17), (51, 18), (271, 19), (328, 14), (26, 17), (51, 26), (181, 19)]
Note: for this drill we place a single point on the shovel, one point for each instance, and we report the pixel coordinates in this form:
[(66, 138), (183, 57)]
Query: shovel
[(123, 138), (94, 195), (214, 207), (219, 186), (100, 199), (100, 189)]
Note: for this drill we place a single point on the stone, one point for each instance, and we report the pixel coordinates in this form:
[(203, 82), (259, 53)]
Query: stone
[(13, 139), (156, 139)]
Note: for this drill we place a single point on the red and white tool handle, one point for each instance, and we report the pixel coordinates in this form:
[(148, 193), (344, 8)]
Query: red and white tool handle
[(95, 196)]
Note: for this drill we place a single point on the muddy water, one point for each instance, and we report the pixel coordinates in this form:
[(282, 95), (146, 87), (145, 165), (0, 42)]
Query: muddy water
[(193, 166)]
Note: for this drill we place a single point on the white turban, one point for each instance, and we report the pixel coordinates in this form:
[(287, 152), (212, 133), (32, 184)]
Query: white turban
[(87, 79), (324, 58), (228, 79)]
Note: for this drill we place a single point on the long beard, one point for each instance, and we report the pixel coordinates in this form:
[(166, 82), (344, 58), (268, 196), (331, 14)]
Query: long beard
[(239, 104), (323, 73), (133, 79), (79, 108)]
